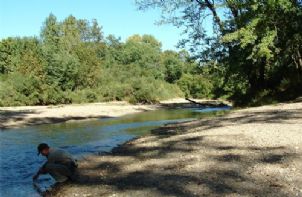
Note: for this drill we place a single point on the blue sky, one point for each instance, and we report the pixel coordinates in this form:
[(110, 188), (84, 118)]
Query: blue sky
[(118, 17)]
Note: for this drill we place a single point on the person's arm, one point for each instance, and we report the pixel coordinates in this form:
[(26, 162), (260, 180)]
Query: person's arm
[(36, 176), (40, 171)]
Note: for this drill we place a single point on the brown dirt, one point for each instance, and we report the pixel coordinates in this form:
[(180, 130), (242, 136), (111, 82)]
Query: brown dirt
[(250, 152)]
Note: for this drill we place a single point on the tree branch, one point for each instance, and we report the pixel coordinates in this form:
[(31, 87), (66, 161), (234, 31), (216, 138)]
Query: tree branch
[(214, 12), (233, 9)]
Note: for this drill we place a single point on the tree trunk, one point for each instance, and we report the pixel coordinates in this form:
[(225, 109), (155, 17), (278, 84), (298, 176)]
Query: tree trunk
[(234, 11), (261, 81), (299, 59)]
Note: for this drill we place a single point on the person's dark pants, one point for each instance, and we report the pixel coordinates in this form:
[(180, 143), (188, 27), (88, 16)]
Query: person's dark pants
[(60, 172)]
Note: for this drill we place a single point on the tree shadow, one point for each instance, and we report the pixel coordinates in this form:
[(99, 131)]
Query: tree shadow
[(7, 116), (256, 117), (167, 169), (174, 162), (22, 115)]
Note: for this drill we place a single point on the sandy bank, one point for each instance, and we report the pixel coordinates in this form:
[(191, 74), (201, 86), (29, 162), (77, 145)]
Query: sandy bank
[(12, 117), (250, 152)]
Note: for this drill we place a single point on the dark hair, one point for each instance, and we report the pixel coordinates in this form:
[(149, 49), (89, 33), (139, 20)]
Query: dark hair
[(41, 147)]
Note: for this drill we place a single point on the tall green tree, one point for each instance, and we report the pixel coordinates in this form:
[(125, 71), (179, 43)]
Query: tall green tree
[(257, 42), (51, 31)]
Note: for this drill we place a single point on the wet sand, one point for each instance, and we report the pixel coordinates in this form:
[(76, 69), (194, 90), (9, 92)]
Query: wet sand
[(249, 152)]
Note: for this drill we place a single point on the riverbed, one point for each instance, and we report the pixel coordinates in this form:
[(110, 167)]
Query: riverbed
[(18, 155)]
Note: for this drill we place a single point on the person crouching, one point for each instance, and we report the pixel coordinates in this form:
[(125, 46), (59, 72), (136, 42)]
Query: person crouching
[(60, 164)]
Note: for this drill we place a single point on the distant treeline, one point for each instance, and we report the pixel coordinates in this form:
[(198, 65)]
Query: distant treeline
[(72, 62), (252, 56)]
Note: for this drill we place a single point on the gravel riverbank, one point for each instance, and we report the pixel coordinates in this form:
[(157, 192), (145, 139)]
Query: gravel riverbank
[(249, 152)]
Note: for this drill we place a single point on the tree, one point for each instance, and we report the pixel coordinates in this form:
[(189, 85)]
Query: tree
[(260, 41), (6, 55), (84, 29), (71, 35), (71, 62), (143, 50), (51, 31), (96, 32), (173, 66)]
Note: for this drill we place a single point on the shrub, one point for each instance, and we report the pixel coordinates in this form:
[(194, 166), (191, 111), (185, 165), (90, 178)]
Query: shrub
[(195, 86)]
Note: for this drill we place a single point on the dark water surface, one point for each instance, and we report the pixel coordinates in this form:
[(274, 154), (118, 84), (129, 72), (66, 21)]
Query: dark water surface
[(18, 154)]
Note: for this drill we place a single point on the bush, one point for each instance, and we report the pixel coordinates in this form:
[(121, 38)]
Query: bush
[(17, 89), (84, 96), (54, 95), (195, 86), (148, 90)]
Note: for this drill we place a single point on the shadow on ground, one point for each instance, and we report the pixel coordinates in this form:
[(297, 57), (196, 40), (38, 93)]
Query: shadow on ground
[(172, 162), (257, 117), (20, 116)]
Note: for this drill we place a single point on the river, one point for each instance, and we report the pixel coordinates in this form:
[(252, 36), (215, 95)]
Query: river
[(18, 154)]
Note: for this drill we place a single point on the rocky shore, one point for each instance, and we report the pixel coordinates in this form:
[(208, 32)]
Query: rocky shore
[(250, 152)]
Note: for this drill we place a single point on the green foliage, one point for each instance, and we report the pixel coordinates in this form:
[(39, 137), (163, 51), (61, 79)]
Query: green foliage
[(173, 66), (54, 95), (252, 55), (71, 62), (195, 86), (63, 71), (85, 96), (148, 90), (257, 44), (17, 89)]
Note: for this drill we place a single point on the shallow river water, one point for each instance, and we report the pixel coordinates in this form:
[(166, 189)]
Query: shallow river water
[(18, 154)]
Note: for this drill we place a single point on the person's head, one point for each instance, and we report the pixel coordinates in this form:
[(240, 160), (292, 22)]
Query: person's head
[(43, 148)]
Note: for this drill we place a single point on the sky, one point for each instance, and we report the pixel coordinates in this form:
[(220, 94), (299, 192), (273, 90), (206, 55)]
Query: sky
[(118, 17)]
